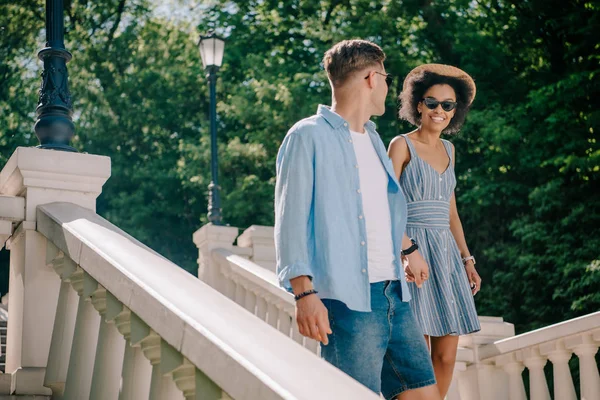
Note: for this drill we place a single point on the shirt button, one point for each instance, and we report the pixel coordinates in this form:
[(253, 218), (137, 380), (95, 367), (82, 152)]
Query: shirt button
[(360, 217), (364, 270), (362, 243), (356, 165), (345, 124), (349, 140), (440, 197), (440, 178), (358, 191)]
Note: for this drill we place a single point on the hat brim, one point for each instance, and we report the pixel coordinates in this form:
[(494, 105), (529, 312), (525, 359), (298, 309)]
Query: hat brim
[(444, 70)]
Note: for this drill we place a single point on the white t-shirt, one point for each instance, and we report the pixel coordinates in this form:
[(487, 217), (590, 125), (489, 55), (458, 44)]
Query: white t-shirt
[(373, 187)]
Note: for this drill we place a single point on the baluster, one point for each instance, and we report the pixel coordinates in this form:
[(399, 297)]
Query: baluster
[(285, 321), (64, 327), (240, 294), (537, 380), (192, 382), (313, 345), (273, 315), (514, 369), (250, 301), (137, 370), (261, 308), (296, 332), (229, 287), (586, 348), (559, 356), (108, 365), (85, 339)]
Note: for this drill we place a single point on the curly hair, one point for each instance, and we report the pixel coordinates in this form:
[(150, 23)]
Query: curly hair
[(349, 56), (415, 88)]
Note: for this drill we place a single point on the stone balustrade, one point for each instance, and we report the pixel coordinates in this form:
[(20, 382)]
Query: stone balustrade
[(257, 290), (123, 312), (489, 364), (557, 344)]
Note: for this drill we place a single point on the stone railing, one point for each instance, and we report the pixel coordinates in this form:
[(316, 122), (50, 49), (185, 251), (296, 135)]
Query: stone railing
[(256, 289), (125, 312), (95, 314), (489, 363), (503, 362)]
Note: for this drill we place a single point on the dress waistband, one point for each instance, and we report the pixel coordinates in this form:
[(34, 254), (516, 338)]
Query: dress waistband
[(428, 214)]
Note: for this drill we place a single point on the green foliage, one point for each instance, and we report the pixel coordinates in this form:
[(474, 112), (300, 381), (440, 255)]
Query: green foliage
[(528, 159)]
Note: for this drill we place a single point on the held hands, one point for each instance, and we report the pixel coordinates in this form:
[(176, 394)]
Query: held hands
[(415, 268), (313, 319), (473, 276)]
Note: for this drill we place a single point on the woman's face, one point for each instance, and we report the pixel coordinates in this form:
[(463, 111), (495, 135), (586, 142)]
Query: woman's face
[(437, 119)]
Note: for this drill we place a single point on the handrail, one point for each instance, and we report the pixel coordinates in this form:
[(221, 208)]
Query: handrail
[(241, 354), (546, 334)]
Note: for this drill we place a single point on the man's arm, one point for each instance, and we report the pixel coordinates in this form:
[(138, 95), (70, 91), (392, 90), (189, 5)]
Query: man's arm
[(293, 204), (293, 201)]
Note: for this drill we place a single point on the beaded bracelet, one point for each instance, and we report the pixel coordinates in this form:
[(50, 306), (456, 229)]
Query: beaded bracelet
[(304, 294)]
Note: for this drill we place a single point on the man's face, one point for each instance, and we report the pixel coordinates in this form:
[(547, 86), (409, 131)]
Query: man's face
[(379, 89)]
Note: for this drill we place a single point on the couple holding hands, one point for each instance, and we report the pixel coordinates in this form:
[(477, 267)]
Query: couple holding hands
[(370, 241)]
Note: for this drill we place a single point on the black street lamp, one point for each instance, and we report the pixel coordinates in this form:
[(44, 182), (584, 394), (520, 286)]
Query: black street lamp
[(54, 126), (211, 50)]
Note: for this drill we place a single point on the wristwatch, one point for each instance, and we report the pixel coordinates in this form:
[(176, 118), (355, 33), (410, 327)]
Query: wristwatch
[(414, 247), (464, 260)]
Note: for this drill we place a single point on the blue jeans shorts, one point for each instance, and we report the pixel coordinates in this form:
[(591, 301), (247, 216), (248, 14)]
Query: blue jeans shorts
[(383, 349)]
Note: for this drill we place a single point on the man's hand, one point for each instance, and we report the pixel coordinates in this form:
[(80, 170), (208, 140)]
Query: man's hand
[(311, 314), (312, 318), (415, 268)]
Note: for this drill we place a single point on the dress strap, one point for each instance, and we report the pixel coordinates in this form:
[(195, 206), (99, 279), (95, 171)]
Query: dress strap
[(448, 147), (411, 148)]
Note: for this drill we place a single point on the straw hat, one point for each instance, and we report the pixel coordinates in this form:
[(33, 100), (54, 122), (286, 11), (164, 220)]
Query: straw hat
[(443, 70)]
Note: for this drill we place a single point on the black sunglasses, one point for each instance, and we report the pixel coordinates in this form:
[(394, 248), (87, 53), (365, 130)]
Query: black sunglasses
[(389, 79), (432, 104)]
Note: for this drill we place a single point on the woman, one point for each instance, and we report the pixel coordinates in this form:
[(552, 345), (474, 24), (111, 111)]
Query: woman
[(436, 98)]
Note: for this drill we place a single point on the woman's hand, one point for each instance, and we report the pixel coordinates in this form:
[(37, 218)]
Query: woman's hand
[(474, 278), (415, 268)]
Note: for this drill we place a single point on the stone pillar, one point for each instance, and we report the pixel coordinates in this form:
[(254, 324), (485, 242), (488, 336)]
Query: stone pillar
[(108, 365), (12, 211), (261, 240), (40, 177), (586, 347), (535, 362), (208, 238), (514, 368), (559, 356), (485, 380)]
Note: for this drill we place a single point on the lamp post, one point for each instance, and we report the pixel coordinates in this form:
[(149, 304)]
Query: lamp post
[(54, 126), (211, 50)]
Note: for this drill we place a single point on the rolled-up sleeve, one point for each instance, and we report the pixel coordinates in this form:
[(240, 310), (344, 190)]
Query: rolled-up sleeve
[(293, 206)]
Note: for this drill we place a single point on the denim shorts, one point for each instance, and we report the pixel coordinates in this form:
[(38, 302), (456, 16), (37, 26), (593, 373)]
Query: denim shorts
[(383, 349)]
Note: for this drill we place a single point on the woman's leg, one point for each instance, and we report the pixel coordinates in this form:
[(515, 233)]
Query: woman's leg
[(443, 357)]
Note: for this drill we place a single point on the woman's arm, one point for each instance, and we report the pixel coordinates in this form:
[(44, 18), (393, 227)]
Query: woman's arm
[(399, 154), (459, 236)]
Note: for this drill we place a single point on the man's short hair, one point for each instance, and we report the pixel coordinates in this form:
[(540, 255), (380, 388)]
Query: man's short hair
[(349, 56)]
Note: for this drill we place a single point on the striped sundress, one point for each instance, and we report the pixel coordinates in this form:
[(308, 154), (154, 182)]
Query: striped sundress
[(444, 304)]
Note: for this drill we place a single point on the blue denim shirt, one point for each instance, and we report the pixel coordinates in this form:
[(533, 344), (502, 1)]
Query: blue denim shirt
[(319, 224)]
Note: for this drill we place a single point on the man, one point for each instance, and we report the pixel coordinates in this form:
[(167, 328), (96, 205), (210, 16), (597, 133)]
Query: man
[(339, 234)]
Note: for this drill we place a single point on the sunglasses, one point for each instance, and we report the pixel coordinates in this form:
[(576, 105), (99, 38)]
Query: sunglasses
[(432, 104), (389, 79)]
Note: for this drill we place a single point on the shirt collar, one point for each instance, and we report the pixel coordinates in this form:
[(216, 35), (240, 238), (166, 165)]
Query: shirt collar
[(336, 120)]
